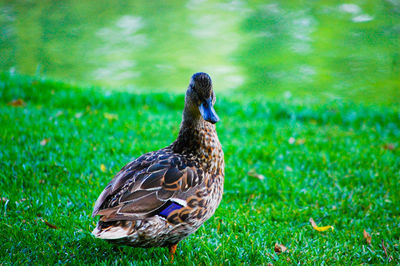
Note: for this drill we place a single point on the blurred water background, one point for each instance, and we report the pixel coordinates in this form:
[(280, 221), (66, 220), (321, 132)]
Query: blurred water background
[(323, 49)]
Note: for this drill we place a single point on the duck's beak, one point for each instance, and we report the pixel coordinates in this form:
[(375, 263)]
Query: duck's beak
[(207, 111)]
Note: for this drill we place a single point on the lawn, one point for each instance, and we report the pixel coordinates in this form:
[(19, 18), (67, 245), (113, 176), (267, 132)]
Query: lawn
[(287, 160)]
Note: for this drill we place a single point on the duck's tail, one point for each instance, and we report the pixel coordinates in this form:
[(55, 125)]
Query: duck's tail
[(114, 230)]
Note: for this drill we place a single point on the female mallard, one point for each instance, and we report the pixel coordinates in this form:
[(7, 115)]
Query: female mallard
[(163, 196)]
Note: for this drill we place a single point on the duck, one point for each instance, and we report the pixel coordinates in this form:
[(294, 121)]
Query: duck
[(160, 198)]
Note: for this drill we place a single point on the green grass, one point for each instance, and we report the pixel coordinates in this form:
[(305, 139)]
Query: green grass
[(343, 169)]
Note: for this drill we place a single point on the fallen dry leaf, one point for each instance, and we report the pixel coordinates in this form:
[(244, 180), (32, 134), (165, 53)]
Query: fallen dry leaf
[(78, 115), (318, 228), (217, 247), (44, 142), (52, 226), (384, 248), (288, 168), (300, 141), (103, 168), (111, 117), (59, 113), (17, 103), (253, 173), (20, 201), (389, 146), (279, 248), (367, 237)]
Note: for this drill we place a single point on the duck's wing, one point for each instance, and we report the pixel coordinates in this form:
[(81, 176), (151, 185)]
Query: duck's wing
[(150, 185)]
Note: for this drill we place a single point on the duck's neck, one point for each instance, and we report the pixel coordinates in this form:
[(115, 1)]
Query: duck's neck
[(196, 136)]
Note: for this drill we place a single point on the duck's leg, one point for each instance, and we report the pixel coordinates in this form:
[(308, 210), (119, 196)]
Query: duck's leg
[(172, 250)]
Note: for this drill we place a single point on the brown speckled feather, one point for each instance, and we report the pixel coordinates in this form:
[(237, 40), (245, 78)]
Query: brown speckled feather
[(145, 185)]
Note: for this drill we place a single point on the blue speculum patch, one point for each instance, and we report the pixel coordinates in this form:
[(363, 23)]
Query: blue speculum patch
[(170, 208)]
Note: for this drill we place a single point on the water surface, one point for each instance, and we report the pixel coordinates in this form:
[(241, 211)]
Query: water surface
[(322, 49)]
